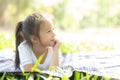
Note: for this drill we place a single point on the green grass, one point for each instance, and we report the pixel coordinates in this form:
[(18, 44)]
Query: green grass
[(39, 76), (8, 41)]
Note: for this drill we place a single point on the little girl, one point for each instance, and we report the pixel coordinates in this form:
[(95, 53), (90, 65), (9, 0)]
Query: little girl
[(35, 36)]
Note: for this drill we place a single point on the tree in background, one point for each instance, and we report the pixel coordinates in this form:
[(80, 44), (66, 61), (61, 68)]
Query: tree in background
[(70, 15), (3, 7), (13, 11)]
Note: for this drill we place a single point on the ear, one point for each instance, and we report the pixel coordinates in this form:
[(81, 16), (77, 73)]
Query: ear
[(33, 39)]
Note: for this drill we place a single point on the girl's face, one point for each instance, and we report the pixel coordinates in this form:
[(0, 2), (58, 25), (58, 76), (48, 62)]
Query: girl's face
[(46, 34)]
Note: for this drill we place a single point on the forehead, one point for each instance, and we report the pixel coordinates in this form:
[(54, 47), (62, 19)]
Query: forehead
[(46, 24)]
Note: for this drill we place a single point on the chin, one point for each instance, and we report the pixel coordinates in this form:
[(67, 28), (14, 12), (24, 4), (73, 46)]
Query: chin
[(52, 45)]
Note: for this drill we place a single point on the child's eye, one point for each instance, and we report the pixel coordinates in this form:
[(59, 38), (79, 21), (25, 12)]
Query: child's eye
[(48, 31)]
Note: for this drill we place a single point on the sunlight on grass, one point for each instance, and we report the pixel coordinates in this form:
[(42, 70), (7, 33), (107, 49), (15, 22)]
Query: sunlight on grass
[(7, 40)]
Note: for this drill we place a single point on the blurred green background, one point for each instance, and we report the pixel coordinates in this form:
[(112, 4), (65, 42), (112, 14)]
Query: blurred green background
[(70, 15), (94, 24)]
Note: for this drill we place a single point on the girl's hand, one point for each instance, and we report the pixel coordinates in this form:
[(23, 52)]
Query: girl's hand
[(55, 60), (57, 44)]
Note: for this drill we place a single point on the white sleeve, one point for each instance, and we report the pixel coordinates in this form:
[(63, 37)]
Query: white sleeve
[(24, 55)]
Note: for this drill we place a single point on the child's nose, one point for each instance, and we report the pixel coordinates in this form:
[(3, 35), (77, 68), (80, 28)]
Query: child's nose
[(53, 34)]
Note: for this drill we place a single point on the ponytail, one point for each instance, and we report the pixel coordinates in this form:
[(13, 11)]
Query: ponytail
[(19, 38)]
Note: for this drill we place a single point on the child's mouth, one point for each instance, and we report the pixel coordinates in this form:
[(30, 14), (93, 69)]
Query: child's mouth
[(53, 40)]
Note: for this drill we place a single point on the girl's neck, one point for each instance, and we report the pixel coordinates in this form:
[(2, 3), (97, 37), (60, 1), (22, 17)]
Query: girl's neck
[(39, 51)]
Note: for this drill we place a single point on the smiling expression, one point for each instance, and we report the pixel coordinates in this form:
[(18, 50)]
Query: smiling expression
[(47, 34)]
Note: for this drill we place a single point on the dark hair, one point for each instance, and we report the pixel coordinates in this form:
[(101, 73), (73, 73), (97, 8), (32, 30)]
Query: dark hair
[(28, 27), (19, 39)]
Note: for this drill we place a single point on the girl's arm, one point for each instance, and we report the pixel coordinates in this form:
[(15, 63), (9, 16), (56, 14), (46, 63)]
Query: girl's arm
[(28, 67), (25, 57), (55, 60)]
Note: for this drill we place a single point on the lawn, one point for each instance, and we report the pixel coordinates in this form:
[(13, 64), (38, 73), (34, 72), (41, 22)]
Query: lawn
[(86, 41)]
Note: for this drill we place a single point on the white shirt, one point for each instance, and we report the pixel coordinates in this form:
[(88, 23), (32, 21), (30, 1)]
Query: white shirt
[(27, 56)]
